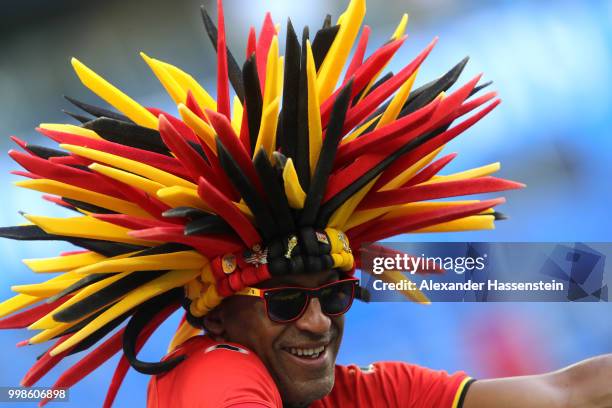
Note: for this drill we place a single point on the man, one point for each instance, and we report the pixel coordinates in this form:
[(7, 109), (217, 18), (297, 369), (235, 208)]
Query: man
[(249, 361), (251, 219)]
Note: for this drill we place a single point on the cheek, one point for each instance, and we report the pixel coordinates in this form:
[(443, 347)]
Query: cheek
[(249, 325)]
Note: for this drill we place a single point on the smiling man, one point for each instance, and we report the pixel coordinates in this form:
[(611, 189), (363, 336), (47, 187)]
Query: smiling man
[(250, 221), (281, 353)]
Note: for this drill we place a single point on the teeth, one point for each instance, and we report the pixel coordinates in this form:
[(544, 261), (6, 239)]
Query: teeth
[(309, 352)]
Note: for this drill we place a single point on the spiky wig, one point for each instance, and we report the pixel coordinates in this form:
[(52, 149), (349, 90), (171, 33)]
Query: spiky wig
[(187, 211)]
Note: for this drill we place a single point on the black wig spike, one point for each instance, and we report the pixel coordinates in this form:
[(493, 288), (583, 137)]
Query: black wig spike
[(263, 216), (480, 87), (81, 283), (253, 99), (326, 157), (45, 152), (301, 156), (336, 201), (165, 248), (35, 233), (327, 21), (443, 83), (80, 118), (275, 192), (94, 337), (323, 40), (287, 127), (138, 322), (128, 134), (87, 207), (97, 111), (185, 212), (209, 224), (376, 84), (424, 95), (78, 326), (234, 72), (105, 296)]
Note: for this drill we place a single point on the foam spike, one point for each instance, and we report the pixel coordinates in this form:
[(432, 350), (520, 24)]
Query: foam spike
[(84, 227), (332, 65), (147, 291), (114, 96), (66, 190), (63, 263), (315, 131), (134, 166)]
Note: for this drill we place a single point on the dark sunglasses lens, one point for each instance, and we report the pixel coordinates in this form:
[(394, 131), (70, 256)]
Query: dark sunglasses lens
[(286, 304), (336, 299)]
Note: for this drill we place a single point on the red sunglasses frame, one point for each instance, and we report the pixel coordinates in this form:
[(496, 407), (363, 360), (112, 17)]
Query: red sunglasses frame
[(310, 293)]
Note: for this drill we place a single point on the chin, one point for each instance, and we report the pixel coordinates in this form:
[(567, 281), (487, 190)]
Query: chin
[(304, 393)]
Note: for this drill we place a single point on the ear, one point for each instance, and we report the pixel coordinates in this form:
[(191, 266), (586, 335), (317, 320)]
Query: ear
[(213, 324)]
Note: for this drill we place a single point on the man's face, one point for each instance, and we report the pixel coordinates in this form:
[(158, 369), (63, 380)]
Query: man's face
[(301, 379)]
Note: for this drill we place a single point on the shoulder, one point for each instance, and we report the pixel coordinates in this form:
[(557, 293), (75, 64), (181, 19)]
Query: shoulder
[(397, 384), (214, 375)]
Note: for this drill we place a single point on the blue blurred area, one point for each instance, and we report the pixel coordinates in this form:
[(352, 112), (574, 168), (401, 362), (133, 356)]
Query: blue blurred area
[(551, 64)]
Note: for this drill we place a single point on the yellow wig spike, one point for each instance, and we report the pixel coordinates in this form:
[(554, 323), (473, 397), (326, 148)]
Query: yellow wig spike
[(76, 193), (280, 77), (267, 130), (16, 303), (340, 217), (170, 280), (415, 208), (172, 260), (133, 166), (48, 288), (467, 174), (411, 171), (334, 61), (63, 263), (176, 92), (85, 227), (402, 210), (295, 194), (270, 91), (397, 102), (397, 34), (315, 131), (52, 332), (177, 196), (401, 27), (236, 115), (413, 295), (184, 333), (131, 179), (47, 321), (72, 129), (188, 83), (360, 217), (114, 96), (357, 132), (472, 223), (202, 129)]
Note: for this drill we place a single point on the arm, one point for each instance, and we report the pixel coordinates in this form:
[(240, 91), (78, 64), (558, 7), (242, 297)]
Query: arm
[(587, 384)]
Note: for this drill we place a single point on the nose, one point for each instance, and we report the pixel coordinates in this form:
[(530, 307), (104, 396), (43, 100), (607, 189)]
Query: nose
[(313, 319)]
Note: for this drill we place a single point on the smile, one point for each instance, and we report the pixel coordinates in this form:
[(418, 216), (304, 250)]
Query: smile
[(311, 353)]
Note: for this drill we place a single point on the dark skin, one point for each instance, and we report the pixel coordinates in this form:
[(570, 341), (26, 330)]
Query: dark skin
[(243, 320)]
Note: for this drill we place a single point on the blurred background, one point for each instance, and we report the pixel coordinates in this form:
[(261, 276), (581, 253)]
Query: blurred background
[(549, 60)]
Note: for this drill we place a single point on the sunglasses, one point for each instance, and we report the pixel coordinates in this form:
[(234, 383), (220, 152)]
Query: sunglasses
[(288, 304)]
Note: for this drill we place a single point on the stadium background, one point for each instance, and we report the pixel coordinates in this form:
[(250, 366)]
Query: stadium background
[(551, 63)]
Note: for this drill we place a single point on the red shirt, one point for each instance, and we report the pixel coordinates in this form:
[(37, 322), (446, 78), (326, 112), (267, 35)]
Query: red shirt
[(219, 375)]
